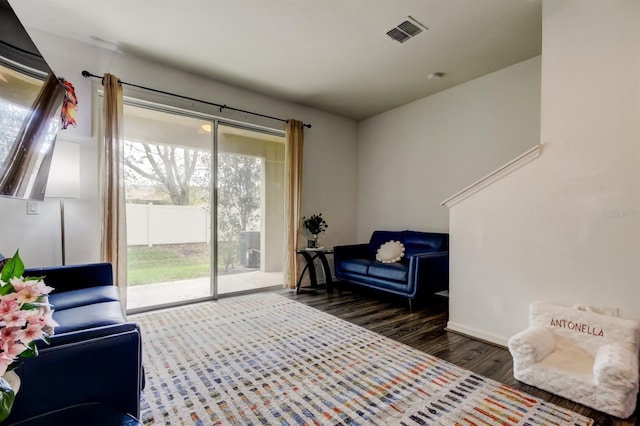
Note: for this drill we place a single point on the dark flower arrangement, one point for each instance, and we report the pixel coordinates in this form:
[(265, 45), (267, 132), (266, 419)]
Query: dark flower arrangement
[(315, 224)]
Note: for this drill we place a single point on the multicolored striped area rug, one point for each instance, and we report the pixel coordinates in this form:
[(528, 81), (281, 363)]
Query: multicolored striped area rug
[(267, 360)]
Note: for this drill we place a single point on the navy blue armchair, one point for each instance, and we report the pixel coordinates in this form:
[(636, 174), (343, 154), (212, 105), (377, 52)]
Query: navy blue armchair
[(95, 355), (424, 269)]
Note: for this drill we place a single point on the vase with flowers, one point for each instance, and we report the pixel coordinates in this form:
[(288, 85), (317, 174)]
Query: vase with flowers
[(25, 317), (315, 224)]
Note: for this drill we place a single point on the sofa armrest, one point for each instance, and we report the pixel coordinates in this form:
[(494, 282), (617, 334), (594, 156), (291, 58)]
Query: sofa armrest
[(88, 334), (102, 365), (353, 251), (616, 367), (531, 346), (74, 277), (429, 271)]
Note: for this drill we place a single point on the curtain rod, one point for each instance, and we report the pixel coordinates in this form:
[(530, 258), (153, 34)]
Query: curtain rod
[(87, 74)]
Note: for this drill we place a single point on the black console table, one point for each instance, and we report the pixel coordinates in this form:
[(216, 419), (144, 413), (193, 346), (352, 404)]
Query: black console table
[(310, 255)]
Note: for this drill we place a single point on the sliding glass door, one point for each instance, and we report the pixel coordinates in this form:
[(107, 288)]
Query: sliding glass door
[(250, 209), (168, 160), (187, 241)]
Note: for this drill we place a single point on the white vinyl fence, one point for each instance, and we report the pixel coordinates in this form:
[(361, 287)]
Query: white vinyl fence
[(149, 224)]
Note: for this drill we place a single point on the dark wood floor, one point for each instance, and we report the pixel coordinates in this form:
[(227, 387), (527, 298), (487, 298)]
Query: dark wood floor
[(424, 329)]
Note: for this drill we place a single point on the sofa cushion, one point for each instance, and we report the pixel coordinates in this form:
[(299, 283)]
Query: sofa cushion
[(423, 242), (389, 252), (74, 277), (89, 316), (390, 271), (356, 266), (87, 296), (380, 237)]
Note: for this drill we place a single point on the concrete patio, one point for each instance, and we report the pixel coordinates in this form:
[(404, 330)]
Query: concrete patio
[(145, 295)]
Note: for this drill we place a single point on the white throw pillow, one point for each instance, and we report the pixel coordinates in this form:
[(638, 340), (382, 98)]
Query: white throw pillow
[(389, 252)]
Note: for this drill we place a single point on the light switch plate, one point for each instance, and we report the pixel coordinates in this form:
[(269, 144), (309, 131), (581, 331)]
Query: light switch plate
[(32, 207)]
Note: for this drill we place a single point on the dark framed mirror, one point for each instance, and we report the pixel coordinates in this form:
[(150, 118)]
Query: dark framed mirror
[(31, 99)]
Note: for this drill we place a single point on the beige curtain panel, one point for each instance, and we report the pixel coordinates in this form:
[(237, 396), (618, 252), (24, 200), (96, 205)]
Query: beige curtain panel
[(114, 226), (293, 191)]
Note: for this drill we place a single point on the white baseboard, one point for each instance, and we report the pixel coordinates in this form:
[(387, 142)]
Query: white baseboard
[(477, 334)]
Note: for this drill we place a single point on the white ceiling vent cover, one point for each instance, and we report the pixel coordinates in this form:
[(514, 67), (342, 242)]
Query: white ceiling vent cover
[(407, 29)]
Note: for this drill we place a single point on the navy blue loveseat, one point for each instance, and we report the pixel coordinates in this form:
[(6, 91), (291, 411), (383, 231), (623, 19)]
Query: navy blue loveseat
[(424, 268), (95, 355)]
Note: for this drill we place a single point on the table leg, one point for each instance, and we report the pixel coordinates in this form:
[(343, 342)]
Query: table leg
[(327, 271), (300, 278), (312, 270)]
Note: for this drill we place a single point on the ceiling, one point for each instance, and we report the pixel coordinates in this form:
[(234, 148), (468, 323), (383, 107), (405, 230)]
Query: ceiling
[(332, 55)]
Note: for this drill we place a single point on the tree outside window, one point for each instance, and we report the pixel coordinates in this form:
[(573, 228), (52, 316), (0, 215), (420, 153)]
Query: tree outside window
[(178, 175)]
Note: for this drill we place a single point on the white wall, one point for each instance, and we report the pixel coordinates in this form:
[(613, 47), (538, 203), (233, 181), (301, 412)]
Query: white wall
[(413, 157), (566, 227), (330, 150)]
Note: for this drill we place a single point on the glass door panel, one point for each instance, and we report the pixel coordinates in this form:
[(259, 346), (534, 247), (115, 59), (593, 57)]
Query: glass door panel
[(168, 165), (250, 209)]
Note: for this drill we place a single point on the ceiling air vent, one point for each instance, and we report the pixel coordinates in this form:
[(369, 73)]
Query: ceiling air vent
[(398, 35), (407, 29)]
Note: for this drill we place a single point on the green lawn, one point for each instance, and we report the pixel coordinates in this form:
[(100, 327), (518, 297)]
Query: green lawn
[(167, 263)]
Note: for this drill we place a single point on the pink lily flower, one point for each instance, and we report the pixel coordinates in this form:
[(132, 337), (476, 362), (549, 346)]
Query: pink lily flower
[(48, 320), (16, 319), (8, 305), (28, 294), (18, 283), (8, 334), (12, 350), (31, 333), (43, 288), (22, 283), (42, 318)]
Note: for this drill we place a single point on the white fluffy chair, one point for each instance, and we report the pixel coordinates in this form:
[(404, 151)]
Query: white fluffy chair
[(580, 355)]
